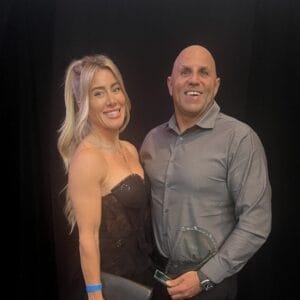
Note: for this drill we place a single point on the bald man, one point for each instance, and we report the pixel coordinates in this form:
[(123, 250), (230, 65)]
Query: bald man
[(211, 196)]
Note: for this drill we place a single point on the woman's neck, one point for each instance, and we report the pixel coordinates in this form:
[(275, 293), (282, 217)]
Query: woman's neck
[(105, 140)]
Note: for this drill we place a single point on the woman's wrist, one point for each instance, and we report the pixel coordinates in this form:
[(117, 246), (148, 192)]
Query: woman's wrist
[(92, 288)]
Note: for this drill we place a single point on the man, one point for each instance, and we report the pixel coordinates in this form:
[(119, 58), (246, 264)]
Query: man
[(211, 197)]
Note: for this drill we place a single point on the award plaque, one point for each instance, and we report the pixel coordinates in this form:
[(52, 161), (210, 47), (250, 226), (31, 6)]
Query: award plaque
[(193, 248)]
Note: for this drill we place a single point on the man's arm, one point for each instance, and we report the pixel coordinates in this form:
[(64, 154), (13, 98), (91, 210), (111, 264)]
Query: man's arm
[(250, 189)]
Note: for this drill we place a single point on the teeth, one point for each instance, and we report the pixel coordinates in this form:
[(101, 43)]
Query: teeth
[(113, 114), (193, 93)]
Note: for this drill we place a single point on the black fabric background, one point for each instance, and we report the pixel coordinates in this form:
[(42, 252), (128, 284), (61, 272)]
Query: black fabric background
[(256, 47)]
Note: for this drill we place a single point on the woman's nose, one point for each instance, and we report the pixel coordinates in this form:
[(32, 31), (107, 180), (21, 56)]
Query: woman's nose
[(111, 100)]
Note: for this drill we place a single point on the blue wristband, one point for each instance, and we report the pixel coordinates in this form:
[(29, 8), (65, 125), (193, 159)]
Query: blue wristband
[(90, 288)]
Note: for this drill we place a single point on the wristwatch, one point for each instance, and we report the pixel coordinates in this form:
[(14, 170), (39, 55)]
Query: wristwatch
[(207, 284)]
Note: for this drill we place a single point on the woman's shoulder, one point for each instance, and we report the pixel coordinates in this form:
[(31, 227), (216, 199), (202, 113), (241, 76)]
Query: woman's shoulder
[(89, 158), (129, 146)]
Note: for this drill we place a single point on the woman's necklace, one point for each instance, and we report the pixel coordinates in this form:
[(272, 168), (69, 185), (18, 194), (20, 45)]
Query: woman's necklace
[(124, 156), (117, 148)]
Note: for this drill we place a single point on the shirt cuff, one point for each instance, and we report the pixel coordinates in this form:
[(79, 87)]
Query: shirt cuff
[(213, 270), (202, 276)]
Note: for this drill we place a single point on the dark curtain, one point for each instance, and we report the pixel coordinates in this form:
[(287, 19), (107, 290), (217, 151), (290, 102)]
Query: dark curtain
[(256, 47), (26, 42)]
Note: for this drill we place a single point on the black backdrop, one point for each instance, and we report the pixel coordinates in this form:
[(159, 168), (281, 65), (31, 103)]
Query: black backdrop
[(256, 46)]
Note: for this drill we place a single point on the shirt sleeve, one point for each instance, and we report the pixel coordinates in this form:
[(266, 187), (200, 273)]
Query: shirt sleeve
[(249, 187)]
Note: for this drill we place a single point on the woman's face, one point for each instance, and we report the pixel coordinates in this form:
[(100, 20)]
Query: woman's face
[(107, 101)]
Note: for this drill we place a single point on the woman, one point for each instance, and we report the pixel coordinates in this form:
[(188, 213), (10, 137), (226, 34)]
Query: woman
[(106, 195)]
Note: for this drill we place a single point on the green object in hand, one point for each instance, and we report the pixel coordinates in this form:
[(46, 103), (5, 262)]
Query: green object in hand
[(161, 277)]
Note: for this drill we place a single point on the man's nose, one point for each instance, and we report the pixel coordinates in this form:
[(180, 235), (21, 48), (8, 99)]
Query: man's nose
[(194, 78)]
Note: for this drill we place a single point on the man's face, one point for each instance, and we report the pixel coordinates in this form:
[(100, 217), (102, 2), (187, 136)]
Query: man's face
[(193, 83)]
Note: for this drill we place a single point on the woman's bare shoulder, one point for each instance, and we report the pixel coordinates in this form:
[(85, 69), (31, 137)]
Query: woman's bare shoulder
[(88, 159), (129, 147)]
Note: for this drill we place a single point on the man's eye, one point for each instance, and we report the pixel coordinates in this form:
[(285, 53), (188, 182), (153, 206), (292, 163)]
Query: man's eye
[(185, 72), (204, 72)]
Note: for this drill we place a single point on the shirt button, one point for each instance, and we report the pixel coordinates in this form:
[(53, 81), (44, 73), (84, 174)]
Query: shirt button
[(166, 210)]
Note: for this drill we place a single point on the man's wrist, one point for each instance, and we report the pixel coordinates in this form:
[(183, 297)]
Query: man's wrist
[(205, 282), (202, 276)]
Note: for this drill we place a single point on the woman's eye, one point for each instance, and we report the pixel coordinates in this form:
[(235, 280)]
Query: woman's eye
[(98, 94), (116, 89)]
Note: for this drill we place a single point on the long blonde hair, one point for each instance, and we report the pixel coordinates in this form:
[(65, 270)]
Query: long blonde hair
[(75, 127)]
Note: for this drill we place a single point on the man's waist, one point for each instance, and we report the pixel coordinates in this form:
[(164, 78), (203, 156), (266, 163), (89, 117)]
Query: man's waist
[(159, 260), (173, 267)]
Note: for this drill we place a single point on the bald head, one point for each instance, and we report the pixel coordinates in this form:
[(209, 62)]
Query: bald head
[(195, 53), (193, 85)]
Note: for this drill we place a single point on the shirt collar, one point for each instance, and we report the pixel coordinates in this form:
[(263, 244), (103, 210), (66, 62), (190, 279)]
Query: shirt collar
[(207, 121)]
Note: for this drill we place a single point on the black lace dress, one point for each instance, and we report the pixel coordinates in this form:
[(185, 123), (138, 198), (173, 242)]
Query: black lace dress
[(125, 229), (125, 234)]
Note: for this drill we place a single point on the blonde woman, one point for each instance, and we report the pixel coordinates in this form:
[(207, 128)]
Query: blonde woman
[(106, 193)]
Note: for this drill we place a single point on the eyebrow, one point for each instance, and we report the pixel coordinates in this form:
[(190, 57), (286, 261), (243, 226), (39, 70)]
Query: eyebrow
[(99, 87), (190, 67)]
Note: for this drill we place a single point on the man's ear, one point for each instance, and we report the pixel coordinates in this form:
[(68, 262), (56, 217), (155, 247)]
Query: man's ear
[(170, 85), (218, 82)]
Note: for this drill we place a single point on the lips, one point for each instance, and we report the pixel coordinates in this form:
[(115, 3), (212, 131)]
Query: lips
[(193, 93), (114, 113)]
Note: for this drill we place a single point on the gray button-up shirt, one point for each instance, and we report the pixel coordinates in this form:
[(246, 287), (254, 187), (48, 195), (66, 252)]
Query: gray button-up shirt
[(214, 177)]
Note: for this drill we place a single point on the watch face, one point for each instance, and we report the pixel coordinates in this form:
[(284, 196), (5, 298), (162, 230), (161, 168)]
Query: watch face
[(207, 284)]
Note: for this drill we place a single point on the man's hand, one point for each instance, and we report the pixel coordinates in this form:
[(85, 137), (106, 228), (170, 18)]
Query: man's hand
[(185, 286)]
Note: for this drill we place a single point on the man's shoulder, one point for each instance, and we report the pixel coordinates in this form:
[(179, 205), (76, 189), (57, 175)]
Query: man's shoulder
[(231, 123), (236, 129), (155, 136), (157, 130)]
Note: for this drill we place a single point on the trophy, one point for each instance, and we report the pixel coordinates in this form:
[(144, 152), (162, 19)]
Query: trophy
[(194, 246)]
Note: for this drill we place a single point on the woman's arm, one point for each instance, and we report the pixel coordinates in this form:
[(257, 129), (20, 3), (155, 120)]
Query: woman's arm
[(87, 172)]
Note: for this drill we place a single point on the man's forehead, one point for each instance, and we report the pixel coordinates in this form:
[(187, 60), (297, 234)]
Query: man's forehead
[(196, 64)]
